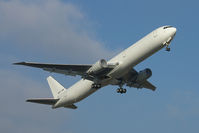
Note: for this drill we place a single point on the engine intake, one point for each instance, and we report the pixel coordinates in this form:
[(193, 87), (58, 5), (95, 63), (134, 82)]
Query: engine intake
[(98, 67), (144, 75)]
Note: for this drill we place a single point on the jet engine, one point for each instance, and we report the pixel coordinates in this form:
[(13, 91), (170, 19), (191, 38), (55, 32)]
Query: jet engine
[(98, 67), (143, 75)]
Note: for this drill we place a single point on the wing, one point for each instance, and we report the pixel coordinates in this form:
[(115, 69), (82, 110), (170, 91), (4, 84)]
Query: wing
[(130, 80), (72, 70), (48, 101), (146, 84)]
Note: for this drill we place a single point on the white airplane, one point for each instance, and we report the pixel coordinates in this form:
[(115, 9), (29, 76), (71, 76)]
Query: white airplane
[(117, 71)]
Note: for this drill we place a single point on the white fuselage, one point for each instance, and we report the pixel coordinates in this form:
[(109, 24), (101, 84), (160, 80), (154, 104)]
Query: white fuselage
[(126, 60)]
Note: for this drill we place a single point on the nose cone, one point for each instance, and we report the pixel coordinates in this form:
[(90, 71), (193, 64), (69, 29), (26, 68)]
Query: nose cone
[(173, 31)]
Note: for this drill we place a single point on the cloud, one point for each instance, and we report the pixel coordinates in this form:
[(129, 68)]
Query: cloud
[(50, 29), (17, 115)]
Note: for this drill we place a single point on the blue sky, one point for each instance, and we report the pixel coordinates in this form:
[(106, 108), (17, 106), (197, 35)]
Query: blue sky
[(80, 32)]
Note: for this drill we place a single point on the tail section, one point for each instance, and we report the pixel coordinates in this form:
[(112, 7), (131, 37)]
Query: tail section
[(56, 88)]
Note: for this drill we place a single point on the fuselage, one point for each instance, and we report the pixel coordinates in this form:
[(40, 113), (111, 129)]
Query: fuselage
[(126, 60)]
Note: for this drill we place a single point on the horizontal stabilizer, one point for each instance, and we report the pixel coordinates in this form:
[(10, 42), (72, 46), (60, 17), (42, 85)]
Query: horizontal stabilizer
[(72, 106), (48, 101)]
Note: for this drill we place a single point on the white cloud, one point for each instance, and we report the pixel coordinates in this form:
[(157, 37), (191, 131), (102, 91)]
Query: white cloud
[(49, 28), (42, 29), (17, 115)]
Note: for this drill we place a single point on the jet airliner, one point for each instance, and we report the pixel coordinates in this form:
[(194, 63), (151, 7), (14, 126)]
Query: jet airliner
[(117, 71)]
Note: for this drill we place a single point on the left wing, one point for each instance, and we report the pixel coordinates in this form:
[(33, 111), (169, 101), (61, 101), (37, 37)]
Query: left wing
[(72, 70)]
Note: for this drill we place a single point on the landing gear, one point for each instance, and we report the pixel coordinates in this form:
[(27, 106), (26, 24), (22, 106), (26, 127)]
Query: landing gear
[(168, 49), (121, 90), (96, 86)]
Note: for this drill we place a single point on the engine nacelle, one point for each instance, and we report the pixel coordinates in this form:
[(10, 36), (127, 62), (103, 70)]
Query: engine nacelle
[(98, 67), (144, 75)]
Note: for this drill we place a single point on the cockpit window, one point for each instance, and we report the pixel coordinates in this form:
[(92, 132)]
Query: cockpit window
[(167, 27)]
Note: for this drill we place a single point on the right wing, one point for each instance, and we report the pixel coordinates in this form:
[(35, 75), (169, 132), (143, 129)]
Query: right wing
[(130, 79), (148, 85)]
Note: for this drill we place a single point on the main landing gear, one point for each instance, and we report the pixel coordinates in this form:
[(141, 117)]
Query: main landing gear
[(121, 90), (96, 86)]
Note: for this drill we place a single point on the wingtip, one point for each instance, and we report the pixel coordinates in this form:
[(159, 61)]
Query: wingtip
[(19, 63), (28, 100), (154, 89)]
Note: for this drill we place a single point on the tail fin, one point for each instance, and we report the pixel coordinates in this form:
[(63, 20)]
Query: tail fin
[(56, 88)]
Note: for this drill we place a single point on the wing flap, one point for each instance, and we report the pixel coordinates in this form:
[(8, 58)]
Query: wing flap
[(48, 101)]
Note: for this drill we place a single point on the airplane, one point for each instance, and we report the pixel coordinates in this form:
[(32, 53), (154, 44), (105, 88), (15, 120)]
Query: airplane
[(117, 71)]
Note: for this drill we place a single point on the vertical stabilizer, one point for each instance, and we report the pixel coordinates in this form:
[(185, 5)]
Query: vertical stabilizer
[(56, 88)]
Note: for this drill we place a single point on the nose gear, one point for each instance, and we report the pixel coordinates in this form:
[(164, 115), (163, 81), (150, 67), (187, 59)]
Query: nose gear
[(167, 46)]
